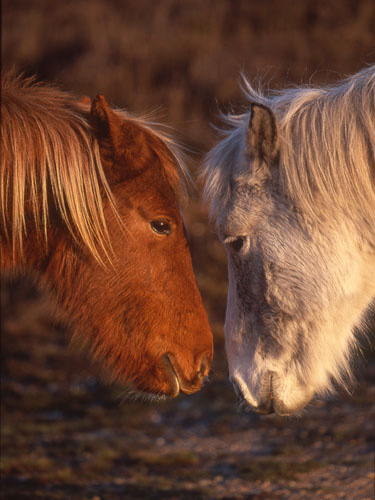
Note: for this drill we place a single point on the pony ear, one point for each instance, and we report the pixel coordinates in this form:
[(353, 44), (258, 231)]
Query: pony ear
[(123, 146), (262, 133), (107, 126)]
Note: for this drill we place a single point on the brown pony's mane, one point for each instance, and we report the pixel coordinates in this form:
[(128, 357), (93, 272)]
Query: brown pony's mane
[(50, 158)]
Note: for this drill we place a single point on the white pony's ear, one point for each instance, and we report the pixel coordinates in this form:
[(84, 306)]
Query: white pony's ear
[(262, 134)]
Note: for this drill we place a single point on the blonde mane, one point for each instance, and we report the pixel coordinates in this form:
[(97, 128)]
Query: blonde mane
[(327, 148), (49, 157)]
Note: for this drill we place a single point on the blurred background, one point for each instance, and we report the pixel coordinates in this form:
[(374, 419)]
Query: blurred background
[(64, 433)]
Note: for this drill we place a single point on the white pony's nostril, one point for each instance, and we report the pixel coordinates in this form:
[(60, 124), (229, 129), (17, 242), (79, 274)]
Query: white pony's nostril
[(237, 390), (263, 403)]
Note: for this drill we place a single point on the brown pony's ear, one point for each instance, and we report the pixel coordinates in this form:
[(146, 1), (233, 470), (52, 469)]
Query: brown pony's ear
[(122, 143), (107, 127), (262, 133)]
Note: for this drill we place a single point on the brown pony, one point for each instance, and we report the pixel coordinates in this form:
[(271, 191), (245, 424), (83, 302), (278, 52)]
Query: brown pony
[(90, 200)]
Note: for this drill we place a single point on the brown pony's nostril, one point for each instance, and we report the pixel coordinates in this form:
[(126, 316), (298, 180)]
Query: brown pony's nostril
[(203, 370)]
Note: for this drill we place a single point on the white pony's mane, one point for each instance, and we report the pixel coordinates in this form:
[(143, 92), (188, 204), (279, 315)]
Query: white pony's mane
[(327, 147)]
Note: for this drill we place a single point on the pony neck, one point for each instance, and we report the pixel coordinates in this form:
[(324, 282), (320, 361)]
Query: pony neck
[(36, 256)]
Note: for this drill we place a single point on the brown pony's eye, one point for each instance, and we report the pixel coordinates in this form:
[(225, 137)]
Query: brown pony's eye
[(236, 244), (161, 227)]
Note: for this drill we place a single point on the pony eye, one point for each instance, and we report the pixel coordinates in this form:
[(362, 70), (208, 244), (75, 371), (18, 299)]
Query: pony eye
[(161, 227), (236, 244)]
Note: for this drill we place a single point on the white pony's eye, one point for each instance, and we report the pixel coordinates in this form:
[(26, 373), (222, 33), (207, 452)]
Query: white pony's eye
[(235, 244)]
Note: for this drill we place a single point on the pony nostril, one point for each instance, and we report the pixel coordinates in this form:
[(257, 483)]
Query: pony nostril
[(264, 406), (237, 390), (204, 366)]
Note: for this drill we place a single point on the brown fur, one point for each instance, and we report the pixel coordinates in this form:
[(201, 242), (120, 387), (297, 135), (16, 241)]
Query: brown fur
[(79, 190)]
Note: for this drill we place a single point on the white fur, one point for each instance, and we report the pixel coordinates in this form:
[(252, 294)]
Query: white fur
[(306, 271)]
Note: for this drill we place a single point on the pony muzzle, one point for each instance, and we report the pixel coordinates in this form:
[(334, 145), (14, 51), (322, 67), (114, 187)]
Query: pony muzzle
[(268, 396)]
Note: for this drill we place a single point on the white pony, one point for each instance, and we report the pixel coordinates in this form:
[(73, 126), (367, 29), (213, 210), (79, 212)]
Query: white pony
[(292, 188)]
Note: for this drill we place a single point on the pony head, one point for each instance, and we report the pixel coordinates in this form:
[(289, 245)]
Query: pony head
[(99, 198), (291, 187)]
